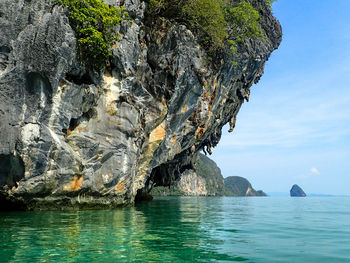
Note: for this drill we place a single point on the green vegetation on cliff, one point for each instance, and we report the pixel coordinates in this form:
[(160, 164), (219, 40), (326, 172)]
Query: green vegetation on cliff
[(270, 2), (166, 191), (215, 184), (239, 186), (219, 23), (236, 185), (94, 23), (207, 168)]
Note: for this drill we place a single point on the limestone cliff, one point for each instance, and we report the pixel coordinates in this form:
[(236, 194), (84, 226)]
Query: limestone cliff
[(72, 137), (206, 180), (239, 186), (192, 184), (211, 173)]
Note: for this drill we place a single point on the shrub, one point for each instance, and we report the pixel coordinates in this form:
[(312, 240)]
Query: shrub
[(245, 23), (219, 22), (155, 6), (166, 191), (270, 2), (208, 17), (94, 23)]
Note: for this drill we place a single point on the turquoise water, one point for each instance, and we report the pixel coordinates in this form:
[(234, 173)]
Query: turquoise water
[(184, 229)]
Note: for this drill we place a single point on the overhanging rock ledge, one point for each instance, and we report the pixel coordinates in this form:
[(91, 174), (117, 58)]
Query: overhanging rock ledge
[(74, 138)]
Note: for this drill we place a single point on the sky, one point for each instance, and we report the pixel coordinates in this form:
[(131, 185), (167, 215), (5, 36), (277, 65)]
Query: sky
[(295, 129)]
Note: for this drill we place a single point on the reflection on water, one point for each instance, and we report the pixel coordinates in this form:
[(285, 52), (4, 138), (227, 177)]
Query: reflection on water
[(164, 230), (181, 230)]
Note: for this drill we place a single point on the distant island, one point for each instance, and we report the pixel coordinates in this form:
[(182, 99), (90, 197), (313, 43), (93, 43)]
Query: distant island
[(206, 180), (286, 194), (239, 186), (296, 191)]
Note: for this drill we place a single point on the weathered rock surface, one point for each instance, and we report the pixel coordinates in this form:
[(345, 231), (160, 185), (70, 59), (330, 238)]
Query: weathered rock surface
[(206, 180), (296, 191), (192, 184), (71, 137)]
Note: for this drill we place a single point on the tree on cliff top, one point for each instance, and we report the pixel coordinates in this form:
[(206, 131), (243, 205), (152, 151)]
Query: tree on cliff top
[(218, 22), (94, 23)]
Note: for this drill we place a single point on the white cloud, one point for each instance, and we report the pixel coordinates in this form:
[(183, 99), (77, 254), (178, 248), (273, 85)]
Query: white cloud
[(314, 170)]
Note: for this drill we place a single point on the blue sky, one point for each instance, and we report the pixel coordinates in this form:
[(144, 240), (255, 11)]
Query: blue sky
[(296, 126)]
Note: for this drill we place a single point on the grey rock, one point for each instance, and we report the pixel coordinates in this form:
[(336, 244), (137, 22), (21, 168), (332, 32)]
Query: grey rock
[(192, 184), (72, 138), (296, 191), (205, 179)]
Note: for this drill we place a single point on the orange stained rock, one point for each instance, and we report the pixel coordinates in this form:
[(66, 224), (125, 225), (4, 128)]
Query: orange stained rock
[(144, 172), (184, 109), (120, 187), (158, 133), (211, 102), (75, 184), (164, 102), (210, 106), (173, 140), (200, 131)]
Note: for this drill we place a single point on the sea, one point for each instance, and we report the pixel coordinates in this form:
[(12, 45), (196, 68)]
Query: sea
[(184, 229)]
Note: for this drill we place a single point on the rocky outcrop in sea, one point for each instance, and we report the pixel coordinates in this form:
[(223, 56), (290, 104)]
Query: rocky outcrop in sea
[(296, 191), (73, 137)]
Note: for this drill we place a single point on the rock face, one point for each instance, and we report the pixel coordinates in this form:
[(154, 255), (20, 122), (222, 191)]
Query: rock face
[(71, 137), (206, 180), (296, 191), (211, 173), (192, 184), (239, 186)]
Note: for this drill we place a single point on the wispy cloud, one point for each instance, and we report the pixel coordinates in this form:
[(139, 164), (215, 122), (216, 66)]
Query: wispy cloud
[(308, 175), (315, 171), (308, 112)]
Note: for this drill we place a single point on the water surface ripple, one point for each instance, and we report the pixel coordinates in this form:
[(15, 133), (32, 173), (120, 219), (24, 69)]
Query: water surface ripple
[(184, 229)]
